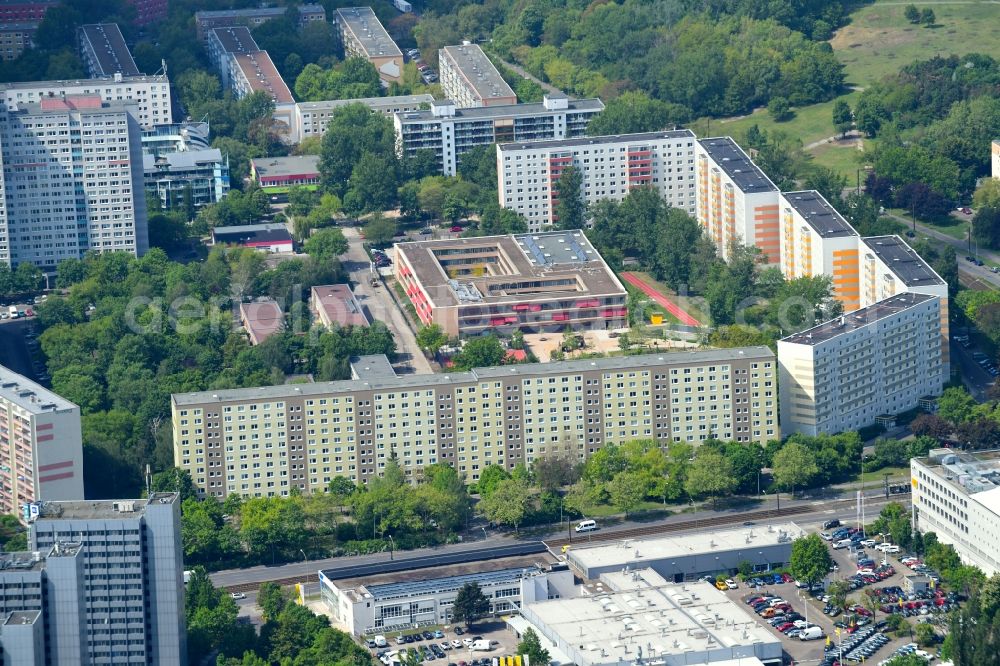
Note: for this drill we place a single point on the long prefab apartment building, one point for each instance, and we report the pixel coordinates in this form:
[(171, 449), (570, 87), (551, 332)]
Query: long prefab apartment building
[(268, 440)]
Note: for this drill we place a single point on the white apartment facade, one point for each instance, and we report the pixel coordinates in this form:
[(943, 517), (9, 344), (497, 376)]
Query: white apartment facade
[(956, 495), (147, 97), (54, 153), (449, 132), (470, 79), (736, 201), (877, 361), (363, 36), (311, 118), (611, 166), (41, 448), (815, 240)]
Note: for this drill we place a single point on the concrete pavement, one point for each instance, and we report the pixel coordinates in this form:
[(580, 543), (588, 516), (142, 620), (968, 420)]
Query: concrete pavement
[(378, 305)]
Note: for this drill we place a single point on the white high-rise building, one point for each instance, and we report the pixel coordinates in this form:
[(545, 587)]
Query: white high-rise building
[(72, 181), (848, 372), (148, 97), (611, 166), (41, 449)]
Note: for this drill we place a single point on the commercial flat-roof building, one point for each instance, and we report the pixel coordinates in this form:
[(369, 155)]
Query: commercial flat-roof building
[(41, 447), (263, 237), (42, 607), (133, 583), (275, 174), (469, 79), (104, 51), (817, 240), (878, 361), (312, 118), (737, 202), (956, 495), (59, 184), (534, 282), (450, 132), (261, 319), (335, 305), (392, 601), (147, 97), (683, 396), (637, 612), (611, 167), (253, 17), (363, 36), (202, 175), (689, 557)]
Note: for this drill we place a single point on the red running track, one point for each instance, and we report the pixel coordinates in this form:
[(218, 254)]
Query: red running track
[(669, 305)]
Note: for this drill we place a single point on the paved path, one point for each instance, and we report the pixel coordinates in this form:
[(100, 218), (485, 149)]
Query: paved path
[(669, 305), (523, 73)]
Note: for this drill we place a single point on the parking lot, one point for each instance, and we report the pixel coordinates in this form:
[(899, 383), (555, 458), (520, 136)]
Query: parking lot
[(449, 645)]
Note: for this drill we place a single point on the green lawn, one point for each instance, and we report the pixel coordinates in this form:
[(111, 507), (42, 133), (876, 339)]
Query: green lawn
[(844, 159), (879, 40)]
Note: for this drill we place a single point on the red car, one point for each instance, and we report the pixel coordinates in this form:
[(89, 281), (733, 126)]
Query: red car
[(785, 627), (29, 313), (787, 578)]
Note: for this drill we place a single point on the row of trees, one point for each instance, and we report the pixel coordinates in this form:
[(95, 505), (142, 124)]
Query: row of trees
[(962, 420)]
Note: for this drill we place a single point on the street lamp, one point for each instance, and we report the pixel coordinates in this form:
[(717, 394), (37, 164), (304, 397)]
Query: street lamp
[(303, 554), (392, 547)]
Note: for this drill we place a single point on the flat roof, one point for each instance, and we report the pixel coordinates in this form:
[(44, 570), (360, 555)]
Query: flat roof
[(601, 140), (295, 165), (391, 100), (247, 233), (478, 71), (185, 159), (337, 301), (96, 83), (640, 552), (22, 617), (903, 261), (30, 395), (372, 366), (236, 39), (858, 319), (433, 585), (549, 255), (819, 214), (254, 11), (262, 319), (504, 111), (121, 509), (404, 382), (261, 74), (976, 473), (641, 609), (368, 31), (110, 49), (725, 152)]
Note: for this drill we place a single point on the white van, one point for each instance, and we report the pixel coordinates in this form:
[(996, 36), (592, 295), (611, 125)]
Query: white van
[(482, 646), (844, 543), (380, 641), (586, 526), (811, 634)]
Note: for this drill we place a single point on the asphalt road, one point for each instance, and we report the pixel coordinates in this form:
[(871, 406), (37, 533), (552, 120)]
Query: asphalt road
[(378, 305), (982, 273)]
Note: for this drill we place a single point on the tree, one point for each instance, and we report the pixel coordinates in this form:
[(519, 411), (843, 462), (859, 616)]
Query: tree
[(912, 14), (507, 504), (838, 591), (927, 17), (431, 338), (634, 111), (842, 118), (373, 184), (470, 604), (530, 645), (380, 230), (481, 352), (626, 491), (272, 600), (555, 471), (326, 244), (569, 208), (709, 475), (930, 425), (779, 109), (353, 131), (794, 466), (810, 560), (925, 634), (490, 478)]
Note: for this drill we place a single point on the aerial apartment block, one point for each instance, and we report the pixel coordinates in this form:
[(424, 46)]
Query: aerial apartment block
[(104, 52), (72, 181), (450, 132), (24, 11), (147, 97), (268, 440), (363, 36), (469, 79), (149, 11), (15, 38), (611, 166), (956, 495), (737, 202), (222, 44), (41, 449), (312, 118), (869, 365), (202, 175), (817, 240), (132, 587), (246, 69), (253, 17), (540, 282)]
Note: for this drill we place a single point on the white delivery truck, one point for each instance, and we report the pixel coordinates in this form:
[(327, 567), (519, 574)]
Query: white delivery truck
[(482, 646), (380, 641), (811, 634)]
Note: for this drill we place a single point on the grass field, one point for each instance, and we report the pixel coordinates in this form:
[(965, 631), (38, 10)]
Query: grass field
[(879, 40)]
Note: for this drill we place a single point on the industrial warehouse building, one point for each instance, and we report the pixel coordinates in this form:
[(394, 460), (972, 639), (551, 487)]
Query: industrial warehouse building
[(689, 557), (637, 617)]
